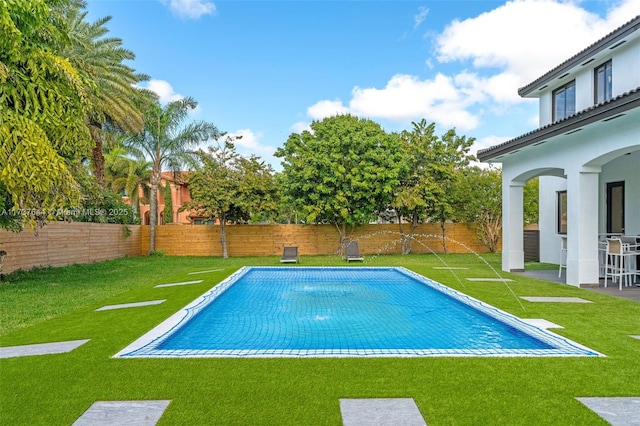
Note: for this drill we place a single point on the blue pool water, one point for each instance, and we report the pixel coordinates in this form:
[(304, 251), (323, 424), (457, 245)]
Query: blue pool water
[(300, 311)]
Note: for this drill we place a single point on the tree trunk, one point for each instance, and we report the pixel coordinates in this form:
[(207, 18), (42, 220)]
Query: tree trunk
[(223, 236), (403, 237), (342, 230), (153, 208), (444, 236), (97, 157)]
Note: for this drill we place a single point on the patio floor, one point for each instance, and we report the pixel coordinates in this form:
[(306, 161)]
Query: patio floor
[(631, 293)]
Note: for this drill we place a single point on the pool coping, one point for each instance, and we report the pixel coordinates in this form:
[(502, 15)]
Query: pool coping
[(146, 345)]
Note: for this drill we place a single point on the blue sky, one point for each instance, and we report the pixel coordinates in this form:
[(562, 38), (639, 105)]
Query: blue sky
[(265, 69)]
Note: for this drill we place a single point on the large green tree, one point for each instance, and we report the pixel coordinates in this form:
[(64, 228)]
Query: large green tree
[(167, 142), (343, 172), (42, 104), (231, 188), (426, 189)]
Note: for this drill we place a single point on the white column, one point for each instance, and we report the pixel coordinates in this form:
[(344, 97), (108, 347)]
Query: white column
[(512, 227), (582, 226)]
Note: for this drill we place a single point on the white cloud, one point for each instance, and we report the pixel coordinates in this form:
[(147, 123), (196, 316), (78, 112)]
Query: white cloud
[(164, 90), (301, 126), (167, 94), (419, 18), (323, 109), (250, 143), (505, 48), (191, 9), (526, 38), (403, 99)]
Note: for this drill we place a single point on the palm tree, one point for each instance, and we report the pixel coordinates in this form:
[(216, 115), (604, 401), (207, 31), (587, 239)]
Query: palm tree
[(166, 143), (109, 85), (131, 176)]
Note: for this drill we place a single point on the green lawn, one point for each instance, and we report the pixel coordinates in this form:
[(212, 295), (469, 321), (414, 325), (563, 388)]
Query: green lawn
[(58, 304)]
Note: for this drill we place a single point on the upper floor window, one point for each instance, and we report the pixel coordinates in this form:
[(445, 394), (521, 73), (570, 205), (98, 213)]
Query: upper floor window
[(564, 101), (603, 82)]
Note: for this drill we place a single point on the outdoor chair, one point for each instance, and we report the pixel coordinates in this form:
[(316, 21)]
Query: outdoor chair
[(619, 260), (563, 255), (352, 251), (290, 255)]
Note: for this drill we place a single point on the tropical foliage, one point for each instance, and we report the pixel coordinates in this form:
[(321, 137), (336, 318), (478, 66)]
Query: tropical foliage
[(109, 84), (425, 192), (167, 142), (42, 99), (344, 172), (230, 188)]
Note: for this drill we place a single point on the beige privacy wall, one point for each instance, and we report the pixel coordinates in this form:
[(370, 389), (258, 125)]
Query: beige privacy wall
[(62, 243), (265, 240), (59, 244)]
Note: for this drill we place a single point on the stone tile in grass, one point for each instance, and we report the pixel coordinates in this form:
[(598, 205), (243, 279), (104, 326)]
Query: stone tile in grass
[(109, 413), (41, 348)]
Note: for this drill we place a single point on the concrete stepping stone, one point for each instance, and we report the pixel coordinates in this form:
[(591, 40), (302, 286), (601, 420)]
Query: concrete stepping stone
[(205, 272), (111, 413), (618, 411), (381, 412), (131, 305), (541, 323), (175, 284), (506, 280), (556, 299), (451, 268), (41, 348)]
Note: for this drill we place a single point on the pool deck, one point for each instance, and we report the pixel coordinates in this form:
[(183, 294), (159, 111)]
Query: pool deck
[(630, 293)]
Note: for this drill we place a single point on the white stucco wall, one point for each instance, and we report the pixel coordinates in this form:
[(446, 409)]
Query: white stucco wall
[(625, 63), (549, 238)]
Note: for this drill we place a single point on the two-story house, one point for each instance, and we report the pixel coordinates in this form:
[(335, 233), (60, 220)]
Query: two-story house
[(586, 153)]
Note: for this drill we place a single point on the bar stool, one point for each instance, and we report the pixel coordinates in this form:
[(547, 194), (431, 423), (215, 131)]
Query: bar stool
[(618, 263), (563, 255)]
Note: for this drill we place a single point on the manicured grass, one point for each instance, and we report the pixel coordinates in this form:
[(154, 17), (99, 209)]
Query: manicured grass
[(59, 304)]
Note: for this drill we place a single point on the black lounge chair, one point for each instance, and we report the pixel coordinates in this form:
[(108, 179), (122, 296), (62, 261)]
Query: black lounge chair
[(290, 255), (352, 251)]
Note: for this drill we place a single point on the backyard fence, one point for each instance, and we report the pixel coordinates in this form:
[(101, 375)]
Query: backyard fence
[(59, 244), (62, 243)]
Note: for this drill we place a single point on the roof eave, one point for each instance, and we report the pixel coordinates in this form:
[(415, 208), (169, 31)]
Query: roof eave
[(602, 112), (609, 40)]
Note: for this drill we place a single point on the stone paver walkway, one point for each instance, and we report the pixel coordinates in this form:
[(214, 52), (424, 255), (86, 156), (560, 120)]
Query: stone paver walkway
[(451, 268), (619, 411), (381, 412), (556, 299), (541, 323), (41, 348), (205, 272), (131, 305), (506, 280), (112, 413), (175, 284)]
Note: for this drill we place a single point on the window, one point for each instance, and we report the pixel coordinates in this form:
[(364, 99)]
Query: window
[(603, 83), (564, 101), (562, 212)]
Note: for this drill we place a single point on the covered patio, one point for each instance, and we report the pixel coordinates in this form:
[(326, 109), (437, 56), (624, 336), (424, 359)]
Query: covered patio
[(577, 160)]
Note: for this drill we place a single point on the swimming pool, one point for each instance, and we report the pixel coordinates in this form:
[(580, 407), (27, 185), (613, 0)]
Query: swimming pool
[(343, 311)]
